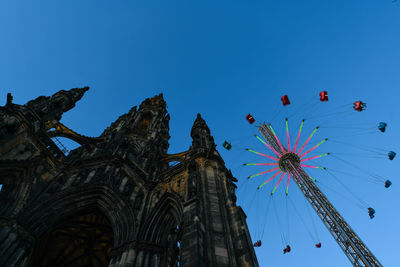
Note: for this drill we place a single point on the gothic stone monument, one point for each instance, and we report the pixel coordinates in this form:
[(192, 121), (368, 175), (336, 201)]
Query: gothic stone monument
[(116, 200)]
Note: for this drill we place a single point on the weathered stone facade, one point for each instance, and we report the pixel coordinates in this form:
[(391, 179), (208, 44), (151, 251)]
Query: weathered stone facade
[(116, 200)]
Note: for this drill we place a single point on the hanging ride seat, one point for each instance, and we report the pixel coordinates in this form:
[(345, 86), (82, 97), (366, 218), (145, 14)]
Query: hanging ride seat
[(286, 250), (359, 105), (250, 119), (388, 183), (382, 126), (227, 145), (285, 100), (391, 155), (318, 245), (323, 96), (257, 244), (371, 212)]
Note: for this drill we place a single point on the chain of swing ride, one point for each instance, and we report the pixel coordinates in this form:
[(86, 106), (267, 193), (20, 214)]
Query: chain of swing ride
[(290, 163)]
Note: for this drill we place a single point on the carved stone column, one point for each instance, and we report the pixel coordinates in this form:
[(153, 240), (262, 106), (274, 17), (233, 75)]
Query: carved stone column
[(15, 242)]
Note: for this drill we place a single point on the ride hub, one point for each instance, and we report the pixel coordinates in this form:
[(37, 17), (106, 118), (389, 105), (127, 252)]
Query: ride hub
[(283, 161)]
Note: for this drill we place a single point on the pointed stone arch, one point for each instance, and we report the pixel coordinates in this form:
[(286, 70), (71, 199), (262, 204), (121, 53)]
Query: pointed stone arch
[(16, 178), (85, 239), (80, 139), (38, 219), (167, 213), (162, 230)]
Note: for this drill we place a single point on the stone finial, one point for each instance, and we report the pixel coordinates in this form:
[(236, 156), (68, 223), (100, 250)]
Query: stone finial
[(77, 93), (200, 134), (9, 99), (200, 123)]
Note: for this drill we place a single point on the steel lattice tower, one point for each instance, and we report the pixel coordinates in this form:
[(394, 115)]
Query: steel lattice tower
[(351, 244)]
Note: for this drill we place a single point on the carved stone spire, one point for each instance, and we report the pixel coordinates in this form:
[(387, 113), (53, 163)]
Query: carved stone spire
[(52, 108), (156, 103), (142, 133), (76, 93), (200, 133)]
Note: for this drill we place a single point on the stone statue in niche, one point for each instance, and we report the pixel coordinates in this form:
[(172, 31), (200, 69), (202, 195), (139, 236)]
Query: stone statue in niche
[(192, 180), (193, 189)]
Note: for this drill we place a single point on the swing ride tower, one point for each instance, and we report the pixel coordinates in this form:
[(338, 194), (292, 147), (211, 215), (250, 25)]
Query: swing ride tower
[(290, 163)]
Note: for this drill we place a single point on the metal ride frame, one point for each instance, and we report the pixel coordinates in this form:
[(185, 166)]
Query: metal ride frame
[(351, 244)]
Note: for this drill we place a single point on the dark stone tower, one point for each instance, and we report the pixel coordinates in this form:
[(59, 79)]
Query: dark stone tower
[(119, 199)]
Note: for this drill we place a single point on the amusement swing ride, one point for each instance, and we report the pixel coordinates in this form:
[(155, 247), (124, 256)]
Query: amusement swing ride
[(290, 161)]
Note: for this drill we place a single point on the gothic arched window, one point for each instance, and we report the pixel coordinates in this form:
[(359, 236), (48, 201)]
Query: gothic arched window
[(81, 240)]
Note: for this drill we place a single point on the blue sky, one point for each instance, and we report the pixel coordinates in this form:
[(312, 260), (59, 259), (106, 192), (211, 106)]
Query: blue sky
[(225, 59)]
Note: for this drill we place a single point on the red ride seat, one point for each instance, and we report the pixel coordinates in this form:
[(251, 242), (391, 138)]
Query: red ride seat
[(250, 119), (286, 250), (359, 106), (257, 244), (285, 100), (323, 96)]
